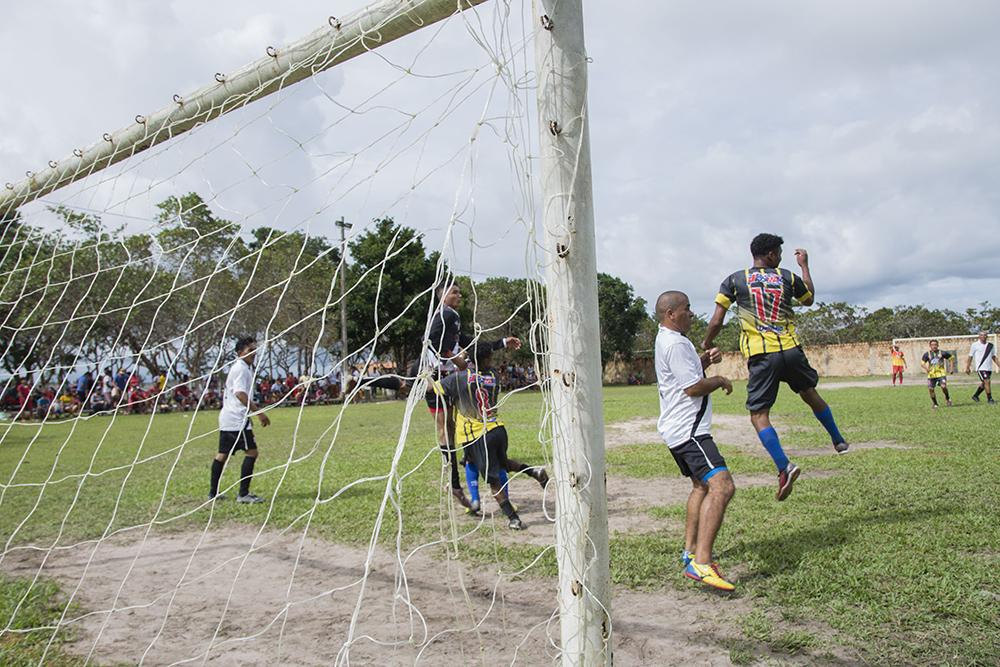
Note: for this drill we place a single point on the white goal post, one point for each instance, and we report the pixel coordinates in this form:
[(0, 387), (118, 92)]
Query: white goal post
[(572, 365)]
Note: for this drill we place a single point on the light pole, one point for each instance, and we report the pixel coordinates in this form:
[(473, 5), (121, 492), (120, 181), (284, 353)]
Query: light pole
[(344, 226)]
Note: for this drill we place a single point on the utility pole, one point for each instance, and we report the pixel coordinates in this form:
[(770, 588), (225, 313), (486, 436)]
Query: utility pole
[(344, 374)]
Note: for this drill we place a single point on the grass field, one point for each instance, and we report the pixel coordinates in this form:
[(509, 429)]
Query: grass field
[(892, 554)]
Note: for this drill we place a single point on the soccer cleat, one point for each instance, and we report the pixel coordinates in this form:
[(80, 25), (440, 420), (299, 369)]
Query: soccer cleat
[(686, 557), (841, 447), (975, 398), (473, 508), (249, 499), (516, 524), (949, 403), (708, 575), (540, 476), (460, 497), (991, 402), (786, 478), (218, 496)]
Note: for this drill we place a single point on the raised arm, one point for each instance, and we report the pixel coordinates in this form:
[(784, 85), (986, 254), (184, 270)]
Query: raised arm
[(802, 257)]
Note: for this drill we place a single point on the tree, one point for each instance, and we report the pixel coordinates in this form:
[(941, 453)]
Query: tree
[(390, 285), (621, 315)]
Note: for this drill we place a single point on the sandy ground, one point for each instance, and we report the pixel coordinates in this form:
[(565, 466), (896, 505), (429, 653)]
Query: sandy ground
[(291, 601)]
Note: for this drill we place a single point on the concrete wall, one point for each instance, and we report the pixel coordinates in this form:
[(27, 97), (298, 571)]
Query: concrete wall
[(847, 360)]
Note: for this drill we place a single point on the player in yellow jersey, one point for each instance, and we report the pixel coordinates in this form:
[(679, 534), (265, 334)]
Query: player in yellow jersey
[(934, 362), (898, 364), (764, 296)]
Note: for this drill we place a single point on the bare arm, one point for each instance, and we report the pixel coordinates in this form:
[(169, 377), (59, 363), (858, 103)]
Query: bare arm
[(714, 326), (710, 356), (802, 257), (968, 364), (242, 397), (706, 386)]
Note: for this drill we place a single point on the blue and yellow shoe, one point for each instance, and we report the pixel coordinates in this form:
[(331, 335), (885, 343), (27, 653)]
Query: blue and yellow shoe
[(708, 575), (686, 557)]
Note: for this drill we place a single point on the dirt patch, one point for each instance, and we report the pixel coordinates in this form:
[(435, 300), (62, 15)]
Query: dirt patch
[(638, 431), (292, 599)]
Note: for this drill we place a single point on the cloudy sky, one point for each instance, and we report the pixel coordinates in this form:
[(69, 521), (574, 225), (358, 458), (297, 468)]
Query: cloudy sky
[(868, 133)]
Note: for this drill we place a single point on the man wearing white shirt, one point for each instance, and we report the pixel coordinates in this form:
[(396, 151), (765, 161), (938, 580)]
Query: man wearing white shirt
[(235, 430), (984, 356), (685, 424)]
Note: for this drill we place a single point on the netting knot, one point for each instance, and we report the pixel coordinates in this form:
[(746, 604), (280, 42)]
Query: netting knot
[(53, 164), (334, 22), (547, 22), (77, 152), (220, 77), (271, 51), (107, 137), (554, 129), (140, 119), (178, 100)]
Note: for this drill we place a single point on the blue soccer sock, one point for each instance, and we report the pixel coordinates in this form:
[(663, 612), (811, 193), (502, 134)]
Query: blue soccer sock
[(769, 438), (826, 419), (472, 481)]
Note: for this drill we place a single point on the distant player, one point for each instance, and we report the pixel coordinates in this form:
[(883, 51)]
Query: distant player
[(898, 364), (764, 296), (933, 362), (984, 356), (479, 433), (235, 430), (685, 425)]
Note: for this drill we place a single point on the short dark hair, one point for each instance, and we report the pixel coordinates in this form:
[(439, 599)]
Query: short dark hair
[(443, 288), (933, 340), (242, 343), (765, 243)]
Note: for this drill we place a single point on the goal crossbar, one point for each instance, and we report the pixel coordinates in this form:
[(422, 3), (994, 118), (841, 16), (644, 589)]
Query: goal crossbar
[(340, 40)]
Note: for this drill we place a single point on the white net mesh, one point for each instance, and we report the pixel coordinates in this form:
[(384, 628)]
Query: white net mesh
[(144, 275)]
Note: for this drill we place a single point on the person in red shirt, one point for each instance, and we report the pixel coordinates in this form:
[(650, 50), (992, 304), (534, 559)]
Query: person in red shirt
[(898, 364)]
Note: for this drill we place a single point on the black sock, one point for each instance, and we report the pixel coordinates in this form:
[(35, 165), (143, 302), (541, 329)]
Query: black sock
[(989, 396), (516, 466), (213, 486), (246, 474), (455, 483), (508, 509), (978, 392), (934, 400)]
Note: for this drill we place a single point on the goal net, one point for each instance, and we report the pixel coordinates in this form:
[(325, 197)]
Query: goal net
[(340, 207)]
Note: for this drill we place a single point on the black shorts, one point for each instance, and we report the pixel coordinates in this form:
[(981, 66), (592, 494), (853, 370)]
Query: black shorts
[(234, 441), (936, 382), (489, 454), (768, 370), (435, 402), (984, 375), (699, 458)]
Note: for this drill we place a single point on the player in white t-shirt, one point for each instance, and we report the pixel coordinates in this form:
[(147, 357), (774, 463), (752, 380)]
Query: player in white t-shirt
[(235, 430), (685, 424), (984, 356)]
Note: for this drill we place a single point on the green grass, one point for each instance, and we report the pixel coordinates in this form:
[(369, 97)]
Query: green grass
[(896, 552), (41, 607)]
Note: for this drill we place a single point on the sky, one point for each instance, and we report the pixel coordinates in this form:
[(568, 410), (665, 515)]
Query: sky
[(867, 133)]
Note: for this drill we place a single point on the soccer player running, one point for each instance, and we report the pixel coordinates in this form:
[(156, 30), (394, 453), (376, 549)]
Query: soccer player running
[(764, 296), (235, 430), (934, 364), (984, 356), (685, 424), (474, 393), (898, 364)]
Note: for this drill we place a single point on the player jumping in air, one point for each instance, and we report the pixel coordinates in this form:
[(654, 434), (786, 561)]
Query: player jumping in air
[(933, 362), (447, 356), (898, 364), (764, 296), (481, 435), (235, 430), (984, 356), (685, 425)]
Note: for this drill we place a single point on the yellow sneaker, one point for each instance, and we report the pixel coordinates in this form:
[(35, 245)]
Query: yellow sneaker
[(708, 575)]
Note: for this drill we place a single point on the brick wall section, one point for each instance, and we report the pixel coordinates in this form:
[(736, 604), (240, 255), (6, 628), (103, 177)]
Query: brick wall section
[(847, 360)]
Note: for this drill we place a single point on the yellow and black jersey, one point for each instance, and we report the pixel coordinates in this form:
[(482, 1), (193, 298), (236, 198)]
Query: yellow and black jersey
[(474, 397), (764, 299)]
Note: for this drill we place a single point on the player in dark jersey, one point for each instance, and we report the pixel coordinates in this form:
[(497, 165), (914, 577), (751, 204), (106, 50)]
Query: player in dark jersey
[(764, 296), (479, 433), (446, 355)]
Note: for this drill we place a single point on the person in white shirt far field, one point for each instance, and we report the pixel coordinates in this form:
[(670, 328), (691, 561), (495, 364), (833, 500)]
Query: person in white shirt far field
[(235, 430), (685, 426), (984, 356)]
